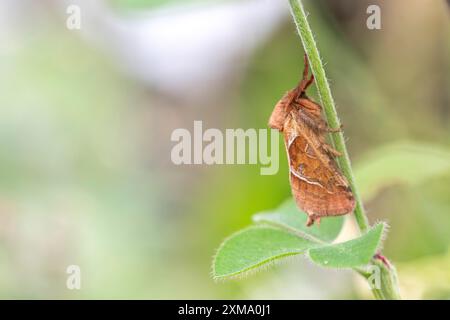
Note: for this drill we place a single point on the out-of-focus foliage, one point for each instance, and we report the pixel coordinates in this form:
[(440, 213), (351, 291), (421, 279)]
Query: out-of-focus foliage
[(426, 277), (87, 178), (402, 163)]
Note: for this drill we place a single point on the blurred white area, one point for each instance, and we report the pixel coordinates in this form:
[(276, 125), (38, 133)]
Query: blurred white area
[(300, 279), (184, 51)]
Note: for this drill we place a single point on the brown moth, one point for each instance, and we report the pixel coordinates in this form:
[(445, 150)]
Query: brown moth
[(318, 186)]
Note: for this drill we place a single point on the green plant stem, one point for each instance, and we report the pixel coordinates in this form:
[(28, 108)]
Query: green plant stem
[(324, 91), (337, 139), (389, 283)]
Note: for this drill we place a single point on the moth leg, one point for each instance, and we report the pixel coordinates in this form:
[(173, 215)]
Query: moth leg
[(318, 221), (320, 125), (311, 219), (328, 129), (331, 151)]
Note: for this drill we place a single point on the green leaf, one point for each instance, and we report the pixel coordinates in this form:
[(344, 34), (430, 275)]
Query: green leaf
[(349, 254), (289, 217), (254, 247), (405, 163), (261, 245)]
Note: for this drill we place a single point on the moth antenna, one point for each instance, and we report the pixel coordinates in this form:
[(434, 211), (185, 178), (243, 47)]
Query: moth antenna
[(305, 83), (306, 69), (308, 83)]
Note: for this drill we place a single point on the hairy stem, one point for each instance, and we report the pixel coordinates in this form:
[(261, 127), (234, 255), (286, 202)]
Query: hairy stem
[(324, 91), (389, 287)]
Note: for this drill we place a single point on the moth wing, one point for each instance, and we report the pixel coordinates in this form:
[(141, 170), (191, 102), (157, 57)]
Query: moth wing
[(318, 188)]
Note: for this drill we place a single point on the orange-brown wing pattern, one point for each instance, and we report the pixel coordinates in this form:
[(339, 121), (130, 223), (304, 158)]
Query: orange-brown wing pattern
[(319, 188), (317, 185)]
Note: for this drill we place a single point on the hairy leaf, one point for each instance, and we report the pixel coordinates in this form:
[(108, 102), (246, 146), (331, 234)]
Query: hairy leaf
[(261, 245), (254, 247), (353, 253)]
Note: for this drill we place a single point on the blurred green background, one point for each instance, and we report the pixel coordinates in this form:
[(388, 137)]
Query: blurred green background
[(85, 123)]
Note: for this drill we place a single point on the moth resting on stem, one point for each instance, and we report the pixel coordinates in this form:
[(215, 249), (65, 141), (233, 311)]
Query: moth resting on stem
[(318, 186)]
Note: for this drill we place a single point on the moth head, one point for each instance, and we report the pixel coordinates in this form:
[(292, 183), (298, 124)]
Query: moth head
[(281, 111)]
